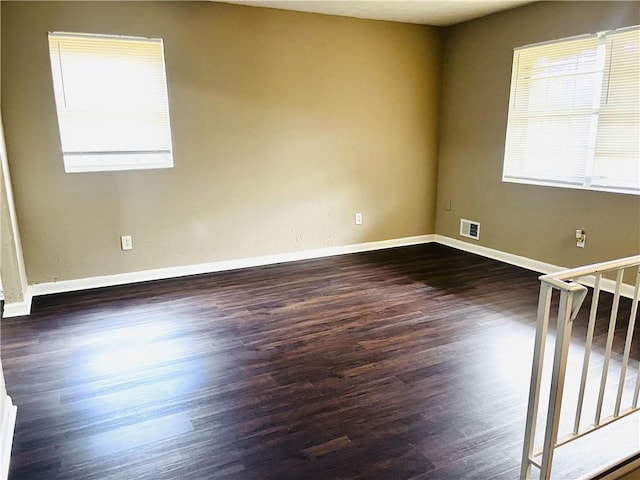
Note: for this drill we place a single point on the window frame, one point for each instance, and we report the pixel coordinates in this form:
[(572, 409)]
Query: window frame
[(584, 182), (112, 159)]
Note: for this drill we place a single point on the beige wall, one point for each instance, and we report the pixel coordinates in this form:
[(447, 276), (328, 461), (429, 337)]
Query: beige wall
[(284, 125), (536, 222), (12, 269), (11, 266)]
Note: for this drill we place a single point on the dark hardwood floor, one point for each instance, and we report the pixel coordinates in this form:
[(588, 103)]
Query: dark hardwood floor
[(408, 363)]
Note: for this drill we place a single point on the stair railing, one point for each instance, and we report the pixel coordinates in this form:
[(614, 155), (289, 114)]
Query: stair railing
[(571, 285)]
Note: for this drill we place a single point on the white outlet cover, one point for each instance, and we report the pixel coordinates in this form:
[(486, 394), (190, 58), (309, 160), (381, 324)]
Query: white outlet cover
[(126, 242)]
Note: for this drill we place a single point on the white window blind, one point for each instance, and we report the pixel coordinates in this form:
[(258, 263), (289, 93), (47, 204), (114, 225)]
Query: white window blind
[(574, 113), (112, 102)]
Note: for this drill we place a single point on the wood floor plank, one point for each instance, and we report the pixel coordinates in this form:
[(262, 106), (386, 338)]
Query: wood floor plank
[(407, 363)]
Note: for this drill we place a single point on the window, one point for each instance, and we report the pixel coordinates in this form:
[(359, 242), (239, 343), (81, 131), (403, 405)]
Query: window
[(574, 113), (112, 102)]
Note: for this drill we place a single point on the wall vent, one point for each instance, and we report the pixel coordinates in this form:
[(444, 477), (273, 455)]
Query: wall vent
[(470, 229)]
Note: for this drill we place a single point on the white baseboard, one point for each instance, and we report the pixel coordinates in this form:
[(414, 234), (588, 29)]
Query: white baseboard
[(626, 290), (610, 472), (24, 308), (224, 265), (510, 258), (18, 309), (8, 422)]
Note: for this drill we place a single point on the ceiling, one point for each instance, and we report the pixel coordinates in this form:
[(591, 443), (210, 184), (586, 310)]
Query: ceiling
[(426, 12)]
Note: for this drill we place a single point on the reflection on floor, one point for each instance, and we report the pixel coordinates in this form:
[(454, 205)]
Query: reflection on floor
[(408, 363)]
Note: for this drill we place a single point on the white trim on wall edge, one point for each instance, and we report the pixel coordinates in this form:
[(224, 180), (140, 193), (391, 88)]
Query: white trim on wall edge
[(510, 258), (615, 473), (541, 267), (212, 267), (6, 436), (18, 309), (24, 308)]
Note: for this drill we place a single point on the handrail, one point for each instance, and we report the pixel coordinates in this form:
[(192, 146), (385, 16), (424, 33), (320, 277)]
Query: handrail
[(602, 267), (569, 283)]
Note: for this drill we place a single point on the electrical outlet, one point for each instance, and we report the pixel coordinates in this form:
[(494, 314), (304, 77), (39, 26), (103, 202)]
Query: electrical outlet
[(358, 218), (126, 242)]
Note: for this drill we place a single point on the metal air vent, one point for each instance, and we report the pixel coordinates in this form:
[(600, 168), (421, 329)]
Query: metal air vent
[(470, 229)]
